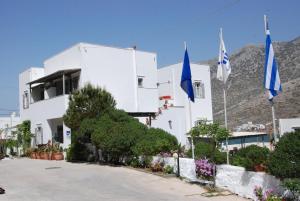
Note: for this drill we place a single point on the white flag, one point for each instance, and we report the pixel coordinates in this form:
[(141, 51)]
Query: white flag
[(224, 68)]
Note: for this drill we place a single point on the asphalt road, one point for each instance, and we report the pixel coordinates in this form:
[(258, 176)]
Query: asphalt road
[(40, 180)]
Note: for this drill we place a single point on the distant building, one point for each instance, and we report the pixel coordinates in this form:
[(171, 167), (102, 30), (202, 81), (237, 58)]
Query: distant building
[(239, 140), (173, 115), (7, 125), (288, 125), (250, 127)]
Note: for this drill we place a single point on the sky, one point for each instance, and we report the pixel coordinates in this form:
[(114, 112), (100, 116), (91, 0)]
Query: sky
[(33, 30)]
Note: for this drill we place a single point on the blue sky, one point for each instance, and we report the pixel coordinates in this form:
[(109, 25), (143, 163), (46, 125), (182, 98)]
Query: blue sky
[(34, 30)]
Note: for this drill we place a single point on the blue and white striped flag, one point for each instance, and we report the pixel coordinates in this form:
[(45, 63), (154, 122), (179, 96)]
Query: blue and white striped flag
[(271, 78), (224, 68)]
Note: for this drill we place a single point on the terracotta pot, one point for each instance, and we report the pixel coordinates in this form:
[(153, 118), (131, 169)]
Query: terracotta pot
[(259, 168), (44, 156), (57, 156), (37, 156), (33, 155)]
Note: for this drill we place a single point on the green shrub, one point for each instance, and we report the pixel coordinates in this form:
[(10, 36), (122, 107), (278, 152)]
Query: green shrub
[(77, 152), (115, 134), (205, 150), (135, 162), (155, 141), (251, 156), (284, 162), (168, 169)]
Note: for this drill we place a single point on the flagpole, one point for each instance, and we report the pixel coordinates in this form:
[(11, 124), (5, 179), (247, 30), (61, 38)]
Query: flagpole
[(190, 116), (225, 103), (271, 102), (274, 122), (191, 125)]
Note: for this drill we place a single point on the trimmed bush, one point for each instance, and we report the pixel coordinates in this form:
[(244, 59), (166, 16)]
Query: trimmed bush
[(251, 156), (155, 141), (284, 162), (115, 134)]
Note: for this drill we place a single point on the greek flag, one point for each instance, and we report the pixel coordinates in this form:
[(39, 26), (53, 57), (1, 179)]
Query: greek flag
[(224, 68), (271, 78)]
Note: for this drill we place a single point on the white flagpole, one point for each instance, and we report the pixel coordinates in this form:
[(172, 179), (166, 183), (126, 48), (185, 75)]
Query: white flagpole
[(190, 116), (224, 96), (272, 103), (191, 125)]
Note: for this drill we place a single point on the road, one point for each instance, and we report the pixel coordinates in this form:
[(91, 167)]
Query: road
[(40, 180)]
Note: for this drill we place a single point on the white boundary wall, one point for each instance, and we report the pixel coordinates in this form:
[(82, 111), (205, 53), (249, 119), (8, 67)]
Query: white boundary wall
[(242, 182), (233, 178)]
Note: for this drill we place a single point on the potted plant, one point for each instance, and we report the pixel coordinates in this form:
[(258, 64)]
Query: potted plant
[(44, 154), (33, 154), (57, 152)]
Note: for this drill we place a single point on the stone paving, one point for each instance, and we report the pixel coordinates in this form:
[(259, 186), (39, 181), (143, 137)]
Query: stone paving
[(40, 180)]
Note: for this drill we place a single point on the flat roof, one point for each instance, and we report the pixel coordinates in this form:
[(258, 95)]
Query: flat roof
[(246, 133), (54, 75)]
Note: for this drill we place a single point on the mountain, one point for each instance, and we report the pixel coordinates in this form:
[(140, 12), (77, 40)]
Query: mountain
[(246, 97)]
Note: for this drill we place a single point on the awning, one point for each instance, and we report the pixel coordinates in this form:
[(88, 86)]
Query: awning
[(55, 75)]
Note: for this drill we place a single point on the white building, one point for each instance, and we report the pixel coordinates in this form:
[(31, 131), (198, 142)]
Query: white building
[(243, 139), (129, 75), (7, 125), (288, 125), (174, 115)]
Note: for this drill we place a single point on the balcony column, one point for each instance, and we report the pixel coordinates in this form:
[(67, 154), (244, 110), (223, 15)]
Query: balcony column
[(29, 94), (64, 87)]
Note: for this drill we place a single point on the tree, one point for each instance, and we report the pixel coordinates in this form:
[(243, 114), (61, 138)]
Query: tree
[(88, 102), (213, 131), (86, 106)]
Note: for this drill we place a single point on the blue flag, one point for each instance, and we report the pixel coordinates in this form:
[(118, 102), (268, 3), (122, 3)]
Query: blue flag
[(271, 78), (186, 77)]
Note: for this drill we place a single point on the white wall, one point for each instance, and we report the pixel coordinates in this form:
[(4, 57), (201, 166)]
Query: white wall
[(169, 85), (114, 69), (233, 178), (177, 128), (201, 108), (286, 125), (242, 182), (187, 166), (67, 59)]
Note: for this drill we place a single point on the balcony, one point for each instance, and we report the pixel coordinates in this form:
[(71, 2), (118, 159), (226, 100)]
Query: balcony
[(57, 84)]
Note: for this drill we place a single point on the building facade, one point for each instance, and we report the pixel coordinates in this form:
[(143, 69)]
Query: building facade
[(176, 114), (129, 75)]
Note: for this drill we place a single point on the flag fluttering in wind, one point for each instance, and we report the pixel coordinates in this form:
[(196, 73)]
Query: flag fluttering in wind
[(186, 77), (224, 68), (271, 78)]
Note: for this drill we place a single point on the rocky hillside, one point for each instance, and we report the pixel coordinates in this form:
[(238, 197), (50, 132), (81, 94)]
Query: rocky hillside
[(246, 97)]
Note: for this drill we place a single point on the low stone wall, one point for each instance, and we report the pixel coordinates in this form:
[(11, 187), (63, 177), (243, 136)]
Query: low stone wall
[(186, 166), (235, 179), (242, 182)]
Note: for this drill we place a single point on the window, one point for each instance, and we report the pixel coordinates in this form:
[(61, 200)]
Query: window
[(140, 81), (25, 100), (199, 91)]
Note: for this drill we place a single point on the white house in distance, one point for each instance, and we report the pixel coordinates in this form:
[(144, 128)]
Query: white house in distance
[(174, 115), (7, 125), (288, 125), (128, 74)]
